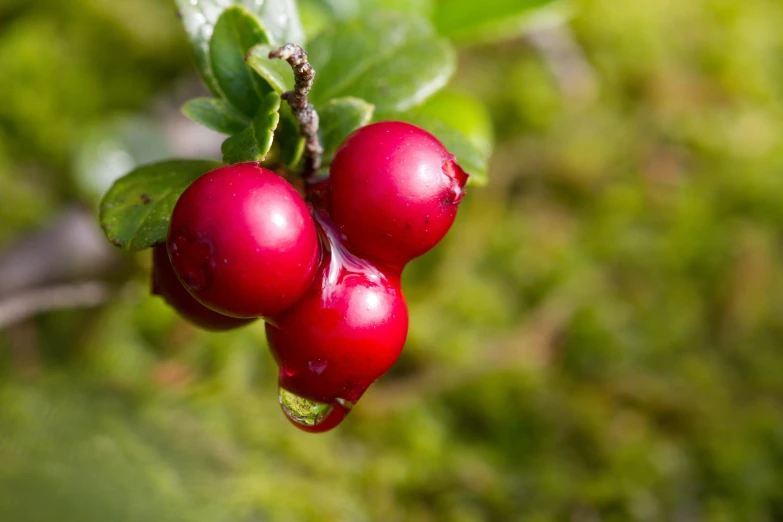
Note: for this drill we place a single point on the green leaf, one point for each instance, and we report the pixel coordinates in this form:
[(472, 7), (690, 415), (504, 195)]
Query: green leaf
[(136, 210), (277, 73), (290, 142), (279, 18), (464, 113), (422, 7), (392, 60), (347, 9), (214, 114), (339, 118), (253, 143), (468, 155), (318, 15), (280, 76), (470, 22), (235, 33)]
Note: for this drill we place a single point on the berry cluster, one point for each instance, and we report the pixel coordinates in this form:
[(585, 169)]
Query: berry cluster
[(325, 277)]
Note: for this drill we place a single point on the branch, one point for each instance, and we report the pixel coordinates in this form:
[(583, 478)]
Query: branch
[(567, 63), (28, 304), (70, 248), (66, 264), (305, 113)]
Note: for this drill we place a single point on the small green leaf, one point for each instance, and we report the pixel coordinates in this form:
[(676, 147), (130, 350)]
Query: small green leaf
[(253, 143), (339, 118), (468, 156), (235, 33), (136, 210), (470, 22), (280, 76), (290, 142), (279, 18), (277, 73), (463, 113), (392, 60), (214, 114)]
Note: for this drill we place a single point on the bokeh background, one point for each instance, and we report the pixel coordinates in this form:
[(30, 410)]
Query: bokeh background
[(598, 339)]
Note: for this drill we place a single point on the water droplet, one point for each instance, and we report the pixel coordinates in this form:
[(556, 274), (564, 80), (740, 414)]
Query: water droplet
[(200, 21), (345, 403), (303, 412)]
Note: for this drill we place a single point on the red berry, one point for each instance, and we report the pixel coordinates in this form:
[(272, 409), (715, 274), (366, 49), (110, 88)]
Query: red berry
[(347, 331), (394, 191), (166, 285), (243, 242)]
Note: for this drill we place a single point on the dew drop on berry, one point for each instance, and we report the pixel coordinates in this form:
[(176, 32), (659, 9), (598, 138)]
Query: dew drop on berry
[(345, 404), (303, 412), (313, 416)]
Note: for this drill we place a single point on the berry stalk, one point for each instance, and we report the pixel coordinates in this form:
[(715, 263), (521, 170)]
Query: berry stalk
[(304, 112)]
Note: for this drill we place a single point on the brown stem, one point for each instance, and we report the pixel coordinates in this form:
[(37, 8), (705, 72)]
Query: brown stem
[(32, 302), (304, 112)]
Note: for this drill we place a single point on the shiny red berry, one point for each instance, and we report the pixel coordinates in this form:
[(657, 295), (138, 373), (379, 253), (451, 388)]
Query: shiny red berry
[(347, 331), (166, 285), (394, 191), (243, 242)]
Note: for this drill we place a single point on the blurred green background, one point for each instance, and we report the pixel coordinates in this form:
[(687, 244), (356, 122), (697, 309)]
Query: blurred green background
[(598, 339)]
